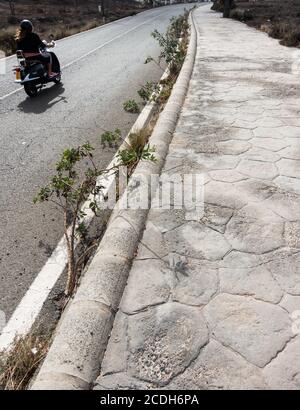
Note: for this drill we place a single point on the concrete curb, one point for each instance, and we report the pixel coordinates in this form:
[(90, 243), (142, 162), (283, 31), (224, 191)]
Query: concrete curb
[(74, 359)]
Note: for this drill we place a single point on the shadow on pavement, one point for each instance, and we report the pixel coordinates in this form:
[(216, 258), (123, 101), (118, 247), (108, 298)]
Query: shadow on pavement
[(47, 98)]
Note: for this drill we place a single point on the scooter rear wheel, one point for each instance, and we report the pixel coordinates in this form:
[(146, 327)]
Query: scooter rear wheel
[(31, 90)]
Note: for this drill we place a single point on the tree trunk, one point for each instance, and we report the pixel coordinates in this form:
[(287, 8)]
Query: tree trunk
[(103, 8), (12, 8), (71, 282), (227, 8)]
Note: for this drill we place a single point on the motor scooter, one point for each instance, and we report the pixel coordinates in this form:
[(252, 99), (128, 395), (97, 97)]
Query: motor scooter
[(33, 74)]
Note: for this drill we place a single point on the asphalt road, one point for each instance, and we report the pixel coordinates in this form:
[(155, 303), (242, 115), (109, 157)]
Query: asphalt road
[(103, 68)]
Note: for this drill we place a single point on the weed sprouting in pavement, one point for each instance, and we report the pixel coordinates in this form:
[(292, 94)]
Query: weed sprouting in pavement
[(111, 138), (147, 91), (136, 150), (131, 106)]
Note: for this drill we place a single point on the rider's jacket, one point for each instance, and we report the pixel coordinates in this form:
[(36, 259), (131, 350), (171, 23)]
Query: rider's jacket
[(31, 43)]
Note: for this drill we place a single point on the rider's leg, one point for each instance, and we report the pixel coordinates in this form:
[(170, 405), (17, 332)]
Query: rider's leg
[(48, 61), (49, 66)]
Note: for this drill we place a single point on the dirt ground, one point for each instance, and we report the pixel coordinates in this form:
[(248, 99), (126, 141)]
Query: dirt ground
[(60, 18)]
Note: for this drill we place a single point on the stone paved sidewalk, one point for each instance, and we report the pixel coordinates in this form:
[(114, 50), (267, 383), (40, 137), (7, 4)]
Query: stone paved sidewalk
[(209, 302)]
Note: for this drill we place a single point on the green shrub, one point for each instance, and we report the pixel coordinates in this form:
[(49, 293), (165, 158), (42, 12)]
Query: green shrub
[(146, 91), (131, 106), (111, 138)]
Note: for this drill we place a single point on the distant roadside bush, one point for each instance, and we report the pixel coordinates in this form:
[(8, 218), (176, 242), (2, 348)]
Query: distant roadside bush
[(7, 41), (288, 33), (241, 15)]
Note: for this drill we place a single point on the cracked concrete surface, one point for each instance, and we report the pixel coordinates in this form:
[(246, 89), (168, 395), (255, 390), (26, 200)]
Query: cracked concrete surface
[(209, 302)]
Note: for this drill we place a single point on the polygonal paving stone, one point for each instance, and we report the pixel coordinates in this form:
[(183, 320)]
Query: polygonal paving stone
[(285, 204), (197, 283), (258, 169), (288, 184), (244, 124), (166, 220), (289, 167), (217, 193), (291, 121), (240, 134), (219, 368), (216, 217), (270, 144), (292, 152), (236, 260), (261, 154), (255, 190), (152, 244), (255, 329), (197, 241), (266, 133), (283, 373), (150, 282), (233, 147), (164, 340), (227, 176), (269, 122), (255, 229), (290, 131), (213, 162), (286, 270), (257, 282), (291, 303)]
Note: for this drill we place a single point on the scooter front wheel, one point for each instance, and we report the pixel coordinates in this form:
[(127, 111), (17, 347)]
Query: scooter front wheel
[(57, 80), (31, 90)]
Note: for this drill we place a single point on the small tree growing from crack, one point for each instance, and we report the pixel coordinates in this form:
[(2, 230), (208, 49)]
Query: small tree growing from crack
[(67, 190), (71, 186)]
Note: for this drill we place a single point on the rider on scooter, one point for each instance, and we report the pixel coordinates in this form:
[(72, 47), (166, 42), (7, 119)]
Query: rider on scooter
[(30, 43)]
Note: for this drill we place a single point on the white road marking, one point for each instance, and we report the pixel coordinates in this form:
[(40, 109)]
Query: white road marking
[(90, 52), (31, 304), (12, 93)]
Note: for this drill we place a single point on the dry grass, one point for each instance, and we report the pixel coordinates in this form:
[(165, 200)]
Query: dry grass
[(281, 20), (288, 33), (18, 365), (7, 41), (139, 139)]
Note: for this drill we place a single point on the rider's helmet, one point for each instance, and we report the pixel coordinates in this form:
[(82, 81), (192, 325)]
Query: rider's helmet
[(26, 25)]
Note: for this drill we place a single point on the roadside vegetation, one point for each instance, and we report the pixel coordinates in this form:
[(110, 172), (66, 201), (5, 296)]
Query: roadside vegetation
[(131, 106), (18, 366), (281, 20)]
